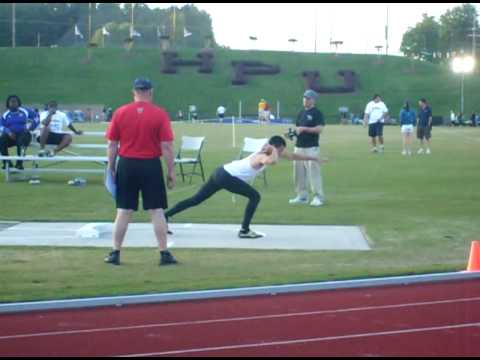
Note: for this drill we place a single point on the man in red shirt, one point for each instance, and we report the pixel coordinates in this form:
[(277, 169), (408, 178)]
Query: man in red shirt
[(139, 134)]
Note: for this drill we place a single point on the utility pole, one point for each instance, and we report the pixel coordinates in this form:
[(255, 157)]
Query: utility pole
[(132, 16), (474, 36), (315, 48), (386, 35), (89, 22), (14, 30)]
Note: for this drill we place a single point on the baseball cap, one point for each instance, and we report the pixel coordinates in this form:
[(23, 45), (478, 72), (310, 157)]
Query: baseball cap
[(142, 84), (310, 94)]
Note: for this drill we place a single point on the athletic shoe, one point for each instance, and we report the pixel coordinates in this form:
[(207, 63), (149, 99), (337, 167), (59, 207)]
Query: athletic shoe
[(113, 258), (420, 151), (316, 202), (166, 258), (46, 153), (4, 166), (19, 166), (428, 152), (298, 200), (248, 234), (404, 152), (374, 150), (409, 153), (381, 150)]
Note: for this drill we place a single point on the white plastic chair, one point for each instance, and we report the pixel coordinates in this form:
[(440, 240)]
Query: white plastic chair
[(191, 144)]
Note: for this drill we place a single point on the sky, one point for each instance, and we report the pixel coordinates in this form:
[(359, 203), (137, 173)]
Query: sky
[(361, 27)]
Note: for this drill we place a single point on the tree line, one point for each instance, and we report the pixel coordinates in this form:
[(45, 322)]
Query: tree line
[(51, 24), (438, 41)]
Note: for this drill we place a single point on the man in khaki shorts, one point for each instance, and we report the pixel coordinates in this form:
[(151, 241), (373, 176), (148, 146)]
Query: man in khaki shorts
[(310, 123)]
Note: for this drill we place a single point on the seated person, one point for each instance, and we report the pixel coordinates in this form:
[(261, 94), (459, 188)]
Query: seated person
[(15, 126), (52, 123)]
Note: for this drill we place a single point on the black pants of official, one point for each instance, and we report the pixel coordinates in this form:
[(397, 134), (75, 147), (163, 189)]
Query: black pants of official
[(22, 141), (219, 180)]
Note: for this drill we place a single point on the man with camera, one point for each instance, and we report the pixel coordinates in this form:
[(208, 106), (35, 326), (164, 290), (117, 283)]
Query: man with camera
[(52, 123), (309, 125)]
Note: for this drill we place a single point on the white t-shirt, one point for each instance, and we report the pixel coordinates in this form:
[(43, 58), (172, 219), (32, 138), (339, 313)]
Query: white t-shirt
[(59, 121), (243, 169), (221, 110), (375, 111)]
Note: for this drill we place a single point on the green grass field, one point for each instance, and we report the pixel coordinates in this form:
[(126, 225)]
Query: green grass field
[(420, 214), (107, 79)]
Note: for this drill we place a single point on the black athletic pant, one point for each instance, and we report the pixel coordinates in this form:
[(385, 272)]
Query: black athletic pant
[(22, 141), (219, 180)]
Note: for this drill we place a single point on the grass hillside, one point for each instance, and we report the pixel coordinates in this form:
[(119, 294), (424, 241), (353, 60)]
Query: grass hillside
[(38, 75)]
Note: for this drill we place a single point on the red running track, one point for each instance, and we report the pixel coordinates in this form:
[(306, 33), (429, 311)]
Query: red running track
[(441, 319)]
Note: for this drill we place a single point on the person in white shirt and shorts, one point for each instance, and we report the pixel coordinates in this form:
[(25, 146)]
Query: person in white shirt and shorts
[(53, 123), (375, 114)]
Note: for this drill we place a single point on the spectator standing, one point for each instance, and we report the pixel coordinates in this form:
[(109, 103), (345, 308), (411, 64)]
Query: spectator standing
[(375, 114), (221, 113), (407, 122), (424, 126)]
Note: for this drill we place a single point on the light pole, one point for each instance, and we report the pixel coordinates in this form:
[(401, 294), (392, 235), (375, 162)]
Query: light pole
[(14, 27), (293, 41), (463, 65), (336, 43), (253, 38)]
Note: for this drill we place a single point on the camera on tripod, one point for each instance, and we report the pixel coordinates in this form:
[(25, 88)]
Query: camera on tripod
[(291, 134)]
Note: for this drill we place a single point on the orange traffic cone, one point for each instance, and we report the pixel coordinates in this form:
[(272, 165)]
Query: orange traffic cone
[(474, 260)]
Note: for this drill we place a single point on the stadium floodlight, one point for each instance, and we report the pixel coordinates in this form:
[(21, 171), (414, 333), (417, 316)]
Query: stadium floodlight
[(293, 41), (463, 65), (336, 43)]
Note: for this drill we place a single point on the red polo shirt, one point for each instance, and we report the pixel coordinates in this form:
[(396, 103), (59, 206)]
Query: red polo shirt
[(140, 127)]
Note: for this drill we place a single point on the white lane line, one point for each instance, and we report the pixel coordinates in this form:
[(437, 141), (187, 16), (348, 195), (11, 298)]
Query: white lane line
[(308, 340), (237, 319)]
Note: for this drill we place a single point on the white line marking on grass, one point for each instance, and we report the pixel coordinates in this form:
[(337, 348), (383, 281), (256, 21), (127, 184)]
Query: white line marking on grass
[(237, 319), (308, 340)]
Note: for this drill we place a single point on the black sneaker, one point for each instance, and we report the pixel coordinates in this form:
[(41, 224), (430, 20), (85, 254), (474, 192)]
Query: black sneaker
[(166, 258), (19, 166), (4, 165), (113, 258), (248, 234)]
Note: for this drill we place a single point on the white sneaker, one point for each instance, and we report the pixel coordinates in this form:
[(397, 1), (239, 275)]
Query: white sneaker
[(404, 152), (316, 202), (409, 153), (374, 150), (428, 152), (298, 200), (420, 151)]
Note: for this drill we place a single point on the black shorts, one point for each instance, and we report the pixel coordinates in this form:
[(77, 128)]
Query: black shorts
[(375, 129), (140, 175), (53, 138), (424, 132)]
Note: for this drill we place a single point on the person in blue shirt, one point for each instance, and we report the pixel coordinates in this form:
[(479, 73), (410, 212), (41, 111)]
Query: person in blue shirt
[(15, 126), (407, 121), (424, 126)]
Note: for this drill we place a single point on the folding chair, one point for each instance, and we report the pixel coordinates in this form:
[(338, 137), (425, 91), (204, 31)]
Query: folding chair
[(252, 145), (191, 144)]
